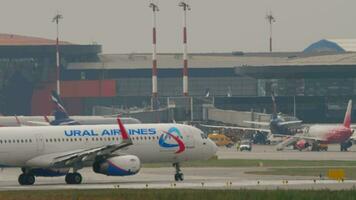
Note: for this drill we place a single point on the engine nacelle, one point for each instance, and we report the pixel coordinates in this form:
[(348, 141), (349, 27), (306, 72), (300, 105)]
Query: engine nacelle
[(49, 172), (118, 166)]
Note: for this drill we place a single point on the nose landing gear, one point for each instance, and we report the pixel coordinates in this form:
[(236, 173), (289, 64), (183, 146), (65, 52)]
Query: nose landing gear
[(179, 176)]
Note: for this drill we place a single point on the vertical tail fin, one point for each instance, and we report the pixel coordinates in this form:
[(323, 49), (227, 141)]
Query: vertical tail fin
[(347, 120), (59, 106), (125, 135)]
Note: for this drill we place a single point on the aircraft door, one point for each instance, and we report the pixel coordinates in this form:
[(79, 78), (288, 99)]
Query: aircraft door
[(188, 138), (40, 143)]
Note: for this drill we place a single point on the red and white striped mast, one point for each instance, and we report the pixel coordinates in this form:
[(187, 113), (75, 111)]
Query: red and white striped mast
[(270, 18), (154, 56), (56, 20), (186, 8)]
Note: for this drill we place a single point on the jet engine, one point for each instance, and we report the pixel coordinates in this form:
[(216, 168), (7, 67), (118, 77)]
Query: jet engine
[(118, 166)]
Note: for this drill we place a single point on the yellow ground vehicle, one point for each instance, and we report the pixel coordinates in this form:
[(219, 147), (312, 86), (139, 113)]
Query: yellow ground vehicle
[(221, 140)]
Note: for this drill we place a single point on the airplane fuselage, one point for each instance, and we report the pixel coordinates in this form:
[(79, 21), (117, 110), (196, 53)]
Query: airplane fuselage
[(28, 146), (329, 133)]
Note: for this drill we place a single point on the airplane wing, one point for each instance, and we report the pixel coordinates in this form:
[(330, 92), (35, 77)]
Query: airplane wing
[(87, 155), (68, 159), (236, 128), (257, 123), (291, 123)]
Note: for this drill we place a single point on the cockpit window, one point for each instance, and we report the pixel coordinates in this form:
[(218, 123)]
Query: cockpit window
[(204, 135)]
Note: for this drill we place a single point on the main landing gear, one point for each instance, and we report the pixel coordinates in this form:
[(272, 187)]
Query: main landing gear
[(73, 178), (26, 179), (344, 146), (179, 176)]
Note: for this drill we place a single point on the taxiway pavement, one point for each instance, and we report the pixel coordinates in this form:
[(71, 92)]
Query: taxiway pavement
[(201, 177), (268, 152), (195, 178)]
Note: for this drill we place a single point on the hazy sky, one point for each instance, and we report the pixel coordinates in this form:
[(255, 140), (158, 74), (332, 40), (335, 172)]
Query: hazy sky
[(124, 26)]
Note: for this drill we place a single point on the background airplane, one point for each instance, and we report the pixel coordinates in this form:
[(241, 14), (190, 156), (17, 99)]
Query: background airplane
[(277, 127), (324, 134), (61, 117)]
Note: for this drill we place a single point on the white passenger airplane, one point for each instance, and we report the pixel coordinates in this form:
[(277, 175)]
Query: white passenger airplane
[(109, 149), (326, 134)]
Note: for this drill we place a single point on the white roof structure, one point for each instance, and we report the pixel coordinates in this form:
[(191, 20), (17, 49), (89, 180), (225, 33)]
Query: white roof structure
[(174, 61), (347, 44)]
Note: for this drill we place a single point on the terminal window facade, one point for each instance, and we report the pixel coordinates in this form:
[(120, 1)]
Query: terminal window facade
[(307, 87), (173, 86)]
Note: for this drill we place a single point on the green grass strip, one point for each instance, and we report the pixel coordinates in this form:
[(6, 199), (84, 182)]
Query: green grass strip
[(350, 172), (175, 194)]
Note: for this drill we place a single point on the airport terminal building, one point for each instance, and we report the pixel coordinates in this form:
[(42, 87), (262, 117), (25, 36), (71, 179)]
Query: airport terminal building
[(315, 84)]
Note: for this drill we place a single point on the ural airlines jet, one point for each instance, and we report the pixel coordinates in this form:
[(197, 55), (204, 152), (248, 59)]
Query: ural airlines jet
[(110, 150)]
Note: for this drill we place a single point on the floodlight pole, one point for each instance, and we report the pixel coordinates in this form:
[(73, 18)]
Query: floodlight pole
[(270, 18), (186, 8), (154, 103), (56, 20)]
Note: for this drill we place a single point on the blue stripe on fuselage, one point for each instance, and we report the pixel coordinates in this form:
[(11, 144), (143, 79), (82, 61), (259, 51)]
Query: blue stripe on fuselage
[(108, 132)]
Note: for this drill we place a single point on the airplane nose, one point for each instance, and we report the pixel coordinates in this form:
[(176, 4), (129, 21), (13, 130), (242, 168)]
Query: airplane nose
[(213, 147)]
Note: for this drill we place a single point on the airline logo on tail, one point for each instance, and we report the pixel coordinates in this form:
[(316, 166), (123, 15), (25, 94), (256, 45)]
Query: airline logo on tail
[(61, 116), (58, 103), (175, 134)]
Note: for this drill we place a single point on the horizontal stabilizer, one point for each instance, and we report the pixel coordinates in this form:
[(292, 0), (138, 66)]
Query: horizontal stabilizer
[(258, 123)]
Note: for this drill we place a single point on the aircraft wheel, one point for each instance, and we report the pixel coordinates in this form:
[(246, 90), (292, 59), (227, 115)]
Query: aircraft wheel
[(73, 178), (26, 179), (179, 177)]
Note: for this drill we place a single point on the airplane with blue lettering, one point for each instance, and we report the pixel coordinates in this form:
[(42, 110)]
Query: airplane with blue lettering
[(112, 150)]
